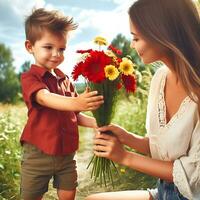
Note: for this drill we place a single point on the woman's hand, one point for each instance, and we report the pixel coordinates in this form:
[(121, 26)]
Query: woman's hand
[(109, 146), (119, 132), (139, 143)]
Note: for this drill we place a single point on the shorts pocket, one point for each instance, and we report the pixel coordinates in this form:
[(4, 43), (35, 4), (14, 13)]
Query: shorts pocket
[(30, 152)]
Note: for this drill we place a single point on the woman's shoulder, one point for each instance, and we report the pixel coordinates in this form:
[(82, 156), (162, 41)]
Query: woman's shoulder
[(160, 72), (157, 78)]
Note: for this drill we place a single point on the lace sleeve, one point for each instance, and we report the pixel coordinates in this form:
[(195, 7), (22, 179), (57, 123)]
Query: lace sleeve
[(186, 169)]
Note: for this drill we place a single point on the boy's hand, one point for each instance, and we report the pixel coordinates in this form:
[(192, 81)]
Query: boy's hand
[(84, 102), (88, 101)]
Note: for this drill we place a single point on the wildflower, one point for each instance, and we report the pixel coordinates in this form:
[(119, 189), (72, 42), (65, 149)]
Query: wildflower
[(100, 41), (110, 54), (115, 50), (119, 85), (122, 170), (129, 82), (126, 66), (105, 72), (111, 72), (93, 67)]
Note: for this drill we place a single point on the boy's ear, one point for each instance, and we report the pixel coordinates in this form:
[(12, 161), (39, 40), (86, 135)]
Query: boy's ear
[(29, 46)]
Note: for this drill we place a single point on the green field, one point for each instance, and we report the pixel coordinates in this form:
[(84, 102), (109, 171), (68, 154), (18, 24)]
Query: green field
[(129, 113)]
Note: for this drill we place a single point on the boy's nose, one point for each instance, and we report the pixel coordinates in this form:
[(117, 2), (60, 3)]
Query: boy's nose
[(56, 53)]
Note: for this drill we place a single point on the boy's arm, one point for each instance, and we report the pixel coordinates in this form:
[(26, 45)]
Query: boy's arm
[(85, 101), (87, 121)]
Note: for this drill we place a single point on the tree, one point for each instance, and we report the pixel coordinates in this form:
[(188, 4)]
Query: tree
[(25, 67), (8, 78), (124, 45)]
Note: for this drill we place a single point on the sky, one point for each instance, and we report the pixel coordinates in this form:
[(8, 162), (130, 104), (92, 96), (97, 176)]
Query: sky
[(105, 18)]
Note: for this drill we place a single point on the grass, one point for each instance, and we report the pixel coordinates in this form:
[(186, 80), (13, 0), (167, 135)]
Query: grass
[(12, 120)]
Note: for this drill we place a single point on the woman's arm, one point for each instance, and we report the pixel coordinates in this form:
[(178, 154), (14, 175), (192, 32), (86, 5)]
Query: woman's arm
[(139, 143), (110, 147), (147, 165)]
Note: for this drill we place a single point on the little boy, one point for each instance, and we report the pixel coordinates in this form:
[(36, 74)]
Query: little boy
[(50, 136)]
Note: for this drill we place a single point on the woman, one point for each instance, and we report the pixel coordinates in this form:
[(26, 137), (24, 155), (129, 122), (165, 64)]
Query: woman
[(168, 31)]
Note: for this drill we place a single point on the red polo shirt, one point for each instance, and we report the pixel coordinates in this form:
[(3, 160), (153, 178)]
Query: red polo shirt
[(52, 131)]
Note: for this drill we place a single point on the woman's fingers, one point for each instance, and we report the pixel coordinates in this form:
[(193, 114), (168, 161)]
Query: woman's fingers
[(106, 128), (101, 154), (104, 136), (108, 146), (100, 148), (101, 142)]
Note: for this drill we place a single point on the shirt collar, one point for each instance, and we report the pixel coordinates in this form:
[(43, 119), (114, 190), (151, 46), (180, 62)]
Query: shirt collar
[(41, 71), (59, 73)]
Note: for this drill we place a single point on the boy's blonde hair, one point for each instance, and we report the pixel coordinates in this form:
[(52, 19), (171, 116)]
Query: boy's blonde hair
[(52, 21)]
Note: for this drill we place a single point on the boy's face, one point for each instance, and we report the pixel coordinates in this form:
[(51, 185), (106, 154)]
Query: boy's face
[(48, 51)]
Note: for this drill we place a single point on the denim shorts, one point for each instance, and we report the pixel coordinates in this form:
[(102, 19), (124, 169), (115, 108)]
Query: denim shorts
[(37, 168), (166, 191)]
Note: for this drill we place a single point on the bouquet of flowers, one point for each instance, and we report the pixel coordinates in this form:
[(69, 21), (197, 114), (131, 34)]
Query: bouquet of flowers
[(106, 72)]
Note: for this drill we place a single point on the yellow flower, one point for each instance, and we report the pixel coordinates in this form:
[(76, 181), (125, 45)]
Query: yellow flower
[(126, 66), (100, 41), (111, 72), (122, 170), (110, 54)]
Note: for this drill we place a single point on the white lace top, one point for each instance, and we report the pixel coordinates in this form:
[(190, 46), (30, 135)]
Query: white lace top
[(178, 140)]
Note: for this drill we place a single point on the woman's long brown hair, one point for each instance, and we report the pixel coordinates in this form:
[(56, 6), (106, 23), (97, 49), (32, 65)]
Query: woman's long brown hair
[(175, 26)]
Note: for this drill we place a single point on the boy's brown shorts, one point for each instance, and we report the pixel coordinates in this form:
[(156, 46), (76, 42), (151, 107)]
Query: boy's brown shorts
[(37, 168)]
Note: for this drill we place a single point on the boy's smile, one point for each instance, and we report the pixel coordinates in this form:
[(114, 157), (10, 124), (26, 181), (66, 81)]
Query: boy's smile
[(48, 51)]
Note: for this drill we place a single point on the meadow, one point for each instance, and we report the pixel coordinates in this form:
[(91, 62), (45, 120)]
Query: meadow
[(130, 113)]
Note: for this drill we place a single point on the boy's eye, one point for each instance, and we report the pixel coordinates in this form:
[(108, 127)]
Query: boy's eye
[(48, 47), (62, 50)]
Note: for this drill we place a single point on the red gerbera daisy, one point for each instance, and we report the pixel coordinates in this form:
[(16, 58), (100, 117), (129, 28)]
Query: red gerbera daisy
[(129, 82), (78, 70), (119, 85), (84, 51), (115, 50), (93, 67)]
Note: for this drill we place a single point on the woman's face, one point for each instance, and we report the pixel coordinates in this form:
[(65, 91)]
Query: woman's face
[(147, 51)]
